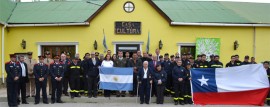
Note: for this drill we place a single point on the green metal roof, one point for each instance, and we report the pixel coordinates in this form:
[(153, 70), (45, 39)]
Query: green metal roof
[(55, 12), (214, 11), (6, 8)]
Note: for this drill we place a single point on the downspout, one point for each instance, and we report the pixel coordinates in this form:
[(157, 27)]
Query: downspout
[(3, 52), (254, 41)]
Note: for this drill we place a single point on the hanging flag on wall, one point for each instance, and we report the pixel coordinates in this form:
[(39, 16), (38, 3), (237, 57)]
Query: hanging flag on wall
[(148, 43), (104, 42)]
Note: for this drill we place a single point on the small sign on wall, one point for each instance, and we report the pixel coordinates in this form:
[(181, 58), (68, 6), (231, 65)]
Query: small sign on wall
[(133, 28)]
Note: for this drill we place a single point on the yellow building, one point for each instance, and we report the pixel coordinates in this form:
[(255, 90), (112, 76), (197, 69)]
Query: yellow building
[(75, 26)]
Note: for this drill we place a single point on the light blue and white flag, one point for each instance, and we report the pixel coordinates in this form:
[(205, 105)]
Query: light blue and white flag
[(104, 42), (148, 43), (113, 78)]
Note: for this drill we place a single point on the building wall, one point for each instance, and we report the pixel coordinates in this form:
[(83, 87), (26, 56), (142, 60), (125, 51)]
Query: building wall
[(1, 52), (151, 21), (262, 44)]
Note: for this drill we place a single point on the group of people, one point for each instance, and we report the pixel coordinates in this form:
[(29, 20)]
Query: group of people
[(153, 75)]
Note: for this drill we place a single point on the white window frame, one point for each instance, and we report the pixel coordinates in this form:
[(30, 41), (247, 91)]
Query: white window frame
[(128, 43), (184, 44), (40, 44)]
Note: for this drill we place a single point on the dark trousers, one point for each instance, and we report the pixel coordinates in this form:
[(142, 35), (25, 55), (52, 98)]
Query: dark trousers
[(144, 91), (154, 90), (92, 86), (74, 86), (12, 93), (107, 93), (135, 83), (160, 93), (41, 85), (187, 90), (85, 86), (56, 90), (169, 85), (81, 85), (179, 89), (65, 84), (22, 89)]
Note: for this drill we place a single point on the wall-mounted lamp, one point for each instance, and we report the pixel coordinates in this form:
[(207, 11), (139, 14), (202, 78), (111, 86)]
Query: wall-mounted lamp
[(23, 44), (160, 44), (235, 45), (95, 45)]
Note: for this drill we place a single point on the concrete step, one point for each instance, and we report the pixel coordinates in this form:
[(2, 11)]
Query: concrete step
[(99, 99)]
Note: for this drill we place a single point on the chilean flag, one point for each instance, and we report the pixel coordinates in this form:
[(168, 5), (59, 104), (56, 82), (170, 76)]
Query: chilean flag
[(241, 85)]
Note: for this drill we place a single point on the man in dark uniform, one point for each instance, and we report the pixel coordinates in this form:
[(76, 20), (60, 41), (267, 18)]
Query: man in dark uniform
[(216, 63), (266, 66), (203, 63), (199, 58), (145, 81), (13, 71), (120, 62), (232, 63), (41, 72), (212, 58), (237, 61), (92, 75), (57, 71), (85, 68), (166, 65), (136, 63), (245, 62), (187, 96), (66, 63), (22, 81), (74, 71), (184, 59), (179, 75)]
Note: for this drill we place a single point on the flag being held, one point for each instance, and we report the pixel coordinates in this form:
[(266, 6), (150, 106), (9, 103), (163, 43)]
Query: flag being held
[(241, 85), (113, 78)]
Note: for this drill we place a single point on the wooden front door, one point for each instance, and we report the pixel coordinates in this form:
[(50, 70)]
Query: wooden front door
[(57, 50)]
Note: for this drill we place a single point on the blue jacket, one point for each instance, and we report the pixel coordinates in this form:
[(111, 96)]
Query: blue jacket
[(178, 72), (12, 70), (41, 71), (57, 70), (162, 75), (149, 75)]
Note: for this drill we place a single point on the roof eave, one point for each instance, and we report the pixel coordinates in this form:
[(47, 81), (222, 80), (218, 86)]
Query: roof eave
[(159, 10), (98, 11), (218, 24), (49, 24)]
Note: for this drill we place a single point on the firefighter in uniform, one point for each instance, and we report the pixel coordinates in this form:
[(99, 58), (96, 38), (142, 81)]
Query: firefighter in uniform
[(216, 63), (187, 96), (57, 70), (85, 68), (48, 60), (179, 75), (266, 66), (166, 65), (160, 77), (41, 72), (74, 71), (13, 71), (203, 63)]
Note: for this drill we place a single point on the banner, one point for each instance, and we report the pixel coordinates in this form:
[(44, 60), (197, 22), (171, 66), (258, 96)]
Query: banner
[(207, 46)]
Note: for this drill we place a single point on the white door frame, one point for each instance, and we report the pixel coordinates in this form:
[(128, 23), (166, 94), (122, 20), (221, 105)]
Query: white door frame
[(127, 42), (184, 44), (57, 43)]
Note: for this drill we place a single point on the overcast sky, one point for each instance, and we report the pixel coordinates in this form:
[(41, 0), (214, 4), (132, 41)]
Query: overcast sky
[(260, 1)]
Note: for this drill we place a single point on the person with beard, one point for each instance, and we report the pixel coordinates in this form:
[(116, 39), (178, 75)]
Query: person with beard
[(237, 61), (136, 63), (216, 63), (85, 68), (22, 81), (245, 62), (232, 63), (122, 63), (203, 63)]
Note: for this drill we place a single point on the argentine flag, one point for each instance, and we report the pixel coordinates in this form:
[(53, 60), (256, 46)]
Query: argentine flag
[(113, 78)]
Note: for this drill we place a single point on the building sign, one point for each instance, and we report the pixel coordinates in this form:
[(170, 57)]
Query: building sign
[(133, 28)]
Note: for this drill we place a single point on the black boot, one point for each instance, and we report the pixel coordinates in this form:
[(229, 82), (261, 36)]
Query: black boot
[(175, 102), (186, 100), (181, 102), (268, 102), (190, 101)]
